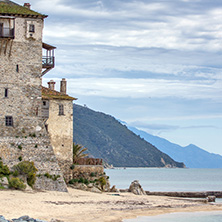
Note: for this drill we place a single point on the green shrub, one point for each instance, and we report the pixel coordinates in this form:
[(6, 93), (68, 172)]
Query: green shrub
[(102, 181), (53, 177), (27, 169), (36, 145), (93, 174), (47, 175), (73, 181), (15, 173), (20, 147), (4, 170), (85, 181), (72, 167), (16, 183), (20, 158), (1, 187), (81, 180)]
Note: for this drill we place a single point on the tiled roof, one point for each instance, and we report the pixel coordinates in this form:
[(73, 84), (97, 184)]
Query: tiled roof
[(52, 94), (10, 8)]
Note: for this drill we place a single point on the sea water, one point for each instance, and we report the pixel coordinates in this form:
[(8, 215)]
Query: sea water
[(175, 179), (182, 217), (167, 179)]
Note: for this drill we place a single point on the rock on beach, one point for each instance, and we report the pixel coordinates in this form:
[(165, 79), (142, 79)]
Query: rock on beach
[(21, 219)]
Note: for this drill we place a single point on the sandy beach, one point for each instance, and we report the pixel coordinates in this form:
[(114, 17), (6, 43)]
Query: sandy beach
[(77, 205)]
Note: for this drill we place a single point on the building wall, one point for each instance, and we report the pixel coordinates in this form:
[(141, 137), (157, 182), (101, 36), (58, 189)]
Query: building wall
[(60, 128), (20, 72), (38, 150)]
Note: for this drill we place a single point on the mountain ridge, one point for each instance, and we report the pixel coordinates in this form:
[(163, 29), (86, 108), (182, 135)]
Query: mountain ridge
[(192, 155), (106, 138)]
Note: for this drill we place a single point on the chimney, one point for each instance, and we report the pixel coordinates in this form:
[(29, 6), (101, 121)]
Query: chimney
[(27, 5), (51, 84), (63, 86)]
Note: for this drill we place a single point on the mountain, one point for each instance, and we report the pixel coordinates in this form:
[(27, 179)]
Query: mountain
[(107, 138), (191, 155)]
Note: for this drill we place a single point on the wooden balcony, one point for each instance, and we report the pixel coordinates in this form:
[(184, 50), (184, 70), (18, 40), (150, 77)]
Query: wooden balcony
[(48, 58), (48, 62)]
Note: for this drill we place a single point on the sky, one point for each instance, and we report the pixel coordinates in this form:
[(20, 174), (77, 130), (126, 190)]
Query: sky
[(154, 64)]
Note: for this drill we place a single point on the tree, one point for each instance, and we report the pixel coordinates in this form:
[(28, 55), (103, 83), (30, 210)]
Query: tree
[(78, 152)]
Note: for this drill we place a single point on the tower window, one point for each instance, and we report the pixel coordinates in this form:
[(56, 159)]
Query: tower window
[(17, 68), (61, 109), (31, 28), (6, 93), (9, 121)]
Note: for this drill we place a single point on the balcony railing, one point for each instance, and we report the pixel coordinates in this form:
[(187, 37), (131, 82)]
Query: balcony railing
[(48, 62), (7, 33)]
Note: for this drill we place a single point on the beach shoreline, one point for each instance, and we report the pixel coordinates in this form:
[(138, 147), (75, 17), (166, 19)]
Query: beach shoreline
[(78, 205)]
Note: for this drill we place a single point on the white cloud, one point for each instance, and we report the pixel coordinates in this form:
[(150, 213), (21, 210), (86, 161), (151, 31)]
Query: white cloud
[(143, 88), (127, 52)]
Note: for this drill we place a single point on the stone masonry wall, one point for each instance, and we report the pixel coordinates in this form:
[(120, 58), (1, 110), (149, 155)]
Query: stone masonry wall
[(20, 72), (85, 171), (60, 128), (40, 152)]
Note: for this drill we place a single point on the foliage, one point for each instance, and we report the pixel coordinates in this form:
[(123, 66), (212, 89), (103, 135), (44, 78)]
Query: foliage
[(72, 181), (4, 170), (80, 180), (72, 167), (93, 174), (16, 183), (20, 146), (1, 187), (78, 152), (32, 135), (108, 139), (102, 181), (28, 170), (52, 177), (15, 173)]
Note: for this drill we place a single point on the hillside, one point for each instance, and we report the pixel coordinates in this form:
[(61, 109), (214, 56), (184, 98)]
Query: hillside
[(108, 139), (191, 155)]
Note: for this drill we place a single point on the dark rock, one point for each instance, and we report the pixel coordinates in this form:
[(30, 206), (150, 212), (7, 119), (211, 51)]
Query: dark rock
[(114, 189), (24, 218), (211, 198), (136, 188), (124, 190), (2, 219)]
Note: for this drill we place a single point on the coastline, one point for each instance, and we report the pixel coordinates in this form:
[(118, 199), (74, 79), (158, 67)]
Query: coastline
[(78, 205)]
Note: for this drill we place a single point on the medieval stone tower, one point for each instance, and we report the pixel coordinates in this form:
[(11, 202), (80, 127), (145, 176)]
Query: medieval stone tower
[(20, 70), (21, 67)]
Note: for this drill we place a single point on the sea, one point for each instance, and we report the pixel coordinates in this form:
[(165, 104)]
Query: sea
[(171, 179)]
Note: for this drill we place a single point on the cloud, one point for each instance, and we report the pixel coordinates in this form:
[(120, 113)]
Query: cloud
[(144, 88), (141, 61)]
